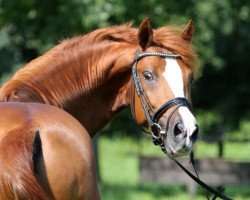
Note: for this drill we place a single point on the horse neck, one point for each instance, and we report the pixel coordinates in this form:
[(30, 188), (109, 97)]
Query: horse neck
[(108, 94), (89, 85)]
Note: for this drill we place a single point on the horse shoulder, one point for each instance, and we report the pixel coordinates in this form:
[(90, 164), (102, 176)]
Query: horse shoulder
[(67, 148)]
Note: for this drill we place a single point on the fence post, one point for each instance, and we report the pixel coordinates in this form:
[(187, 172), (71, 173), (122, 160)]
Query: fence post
[(221, 149), (220, 132)]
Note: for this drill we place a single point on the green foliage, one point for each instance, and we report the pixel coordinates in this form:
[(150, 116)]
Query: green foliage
[(30, 27), (242, 133), (223, 43), (208, 121)]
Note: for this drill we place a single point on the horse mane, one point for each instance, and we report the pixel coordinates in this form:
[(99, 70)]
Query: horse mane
[(66, 62), (168, 37)]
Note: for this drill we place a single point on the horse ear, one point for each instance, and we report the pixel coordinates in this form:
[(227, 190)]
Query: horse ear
[(188, 31), (145, 34)]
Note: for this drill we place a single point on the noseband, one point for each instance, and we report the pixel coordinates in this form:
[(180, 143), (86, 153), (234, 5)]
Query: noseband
[(155, 129)]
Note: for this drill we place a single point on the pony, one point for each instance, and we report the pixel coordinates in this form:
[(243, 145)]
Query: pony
[(51, 108)]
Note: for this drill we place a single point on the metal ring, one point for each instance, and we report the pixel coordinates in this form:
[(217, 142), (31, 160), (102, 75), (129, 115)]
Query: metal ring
[(159, 130)]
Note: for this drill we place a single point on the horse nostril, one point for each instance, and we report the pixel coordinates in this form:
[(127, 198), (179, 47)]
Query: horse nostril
[(178, 131), (195, 134)]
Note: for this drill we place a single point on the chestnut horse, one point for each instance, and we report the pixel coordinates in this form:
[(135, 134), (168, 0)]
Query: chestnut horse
[(46, 153)]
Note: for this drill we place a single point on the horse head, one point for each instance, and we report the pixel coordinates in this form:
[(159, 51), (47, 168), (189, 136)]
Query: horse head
[(160, 92)]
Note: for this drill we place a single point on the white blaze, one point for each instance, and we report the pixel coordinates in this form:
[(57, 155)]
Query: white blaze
[(173, 75)]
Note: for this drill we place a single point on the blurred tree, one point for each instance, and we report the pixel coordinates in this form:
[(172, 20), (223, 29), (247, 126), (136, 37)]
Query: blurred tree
[(30, 27), (223, 41)]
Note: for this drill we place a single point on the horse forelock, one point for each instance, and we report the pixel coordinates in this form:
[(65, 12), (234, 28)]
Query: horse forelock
[(79, 64)]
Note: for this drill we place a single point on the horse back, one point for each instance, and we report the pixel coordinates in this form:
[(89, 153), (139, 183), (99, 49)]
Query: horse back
[(44, 154)]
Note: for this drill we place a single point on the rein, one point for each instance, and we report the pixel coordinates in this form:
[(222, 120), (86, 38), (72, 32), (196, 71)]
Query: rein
[(199, 181), (155, 129)]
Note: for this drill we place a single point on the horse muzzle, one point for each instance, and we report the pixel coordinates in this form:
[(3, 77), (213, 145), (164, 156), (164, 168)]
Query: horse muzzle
[(181, 132)]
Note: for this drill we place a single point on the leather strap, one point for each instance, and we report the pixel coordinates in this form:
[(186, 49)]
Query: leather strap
[(198, 181)]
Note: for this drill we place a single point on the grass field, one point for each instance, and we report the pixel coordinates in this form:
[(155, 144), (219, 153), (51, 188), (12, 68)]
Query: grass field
[(119, 169)]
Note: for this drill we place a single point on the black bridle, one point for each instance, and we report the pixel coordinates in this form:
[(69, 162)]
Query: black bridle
[(155, 129), (151, 115)]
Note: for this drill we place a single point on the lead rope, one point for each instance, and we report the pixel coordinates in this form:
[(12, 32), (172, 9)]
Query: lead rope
[(198, 181), (196, 172), (220, 190)]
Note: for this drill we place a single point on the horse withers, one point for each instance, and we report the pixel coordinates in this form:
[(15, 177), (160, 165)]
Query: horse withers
[(93, 77)]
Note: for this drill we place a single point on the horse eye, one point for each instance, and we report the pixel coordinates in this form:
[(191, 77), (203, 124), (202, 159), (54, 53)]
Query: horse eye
[(148, 76)]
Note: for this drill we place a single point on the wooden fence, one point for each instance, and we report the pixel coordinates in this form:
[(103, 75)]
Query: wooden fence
[(215, 172)]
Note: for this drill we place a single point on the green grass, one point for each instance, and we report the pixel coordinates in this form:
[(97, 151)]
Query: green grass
[(119, 161), (119, 169), (232, 151), (162, 192), (144, 192)]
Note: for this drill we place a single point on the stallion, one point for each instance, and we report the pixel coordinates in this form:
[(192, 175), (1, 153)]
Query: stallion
[(51, 108)]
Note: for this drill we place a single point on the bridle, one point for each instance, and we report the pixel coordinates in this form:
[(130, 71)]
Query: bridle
[(155, 129), (151, 115)]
